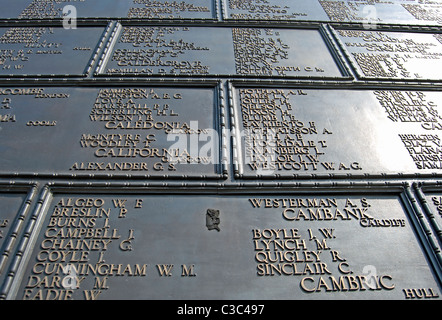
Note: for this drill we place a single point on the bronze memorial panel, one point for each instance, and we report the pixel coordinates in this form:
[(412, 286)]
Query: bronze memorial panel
[(368, 12), (105, 245), (382, 55), (195, 51), (289, 132), (365, 11), (221, 150), (131, 9), (111, 130), (276, 10), (48, 51), (373, 12)]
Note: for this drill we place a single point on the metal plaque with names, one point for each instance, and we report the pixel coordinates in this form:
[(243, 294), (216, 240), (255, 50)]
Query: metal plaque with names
[(286, 132), (380, 55), (48, 51), (365, 11), (276, 10), (113, 130), (221, 150), (131, 9), (370, 13), (108, 245), (194, 51)]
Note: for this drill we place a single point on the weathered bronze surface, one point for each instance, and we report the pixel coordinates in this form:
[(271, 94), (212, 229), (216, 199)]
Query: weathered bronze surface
[(49, 51), (194, 51), (393, 55), (394, 12), (96, 245), (143, 9), (274, 10), (294, 132), (369, 12), (220, 149), (140, 131)]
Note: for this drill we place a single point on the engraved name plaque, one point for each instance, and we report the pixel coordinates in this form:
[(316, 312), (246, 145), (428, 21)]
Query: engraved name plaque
[(371, 13), (365, 11), (114, 130), (132, 9), (368, 12), (276, 10), (194, 51), (393, 55), (221, 150), (285, 246), (47, 51), (288, 132), (164, 9)]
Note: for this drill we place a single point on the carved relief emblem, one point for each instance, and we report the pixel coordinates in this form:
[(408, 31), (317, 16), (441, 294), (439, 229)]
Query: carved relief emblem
[(212, 219)]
